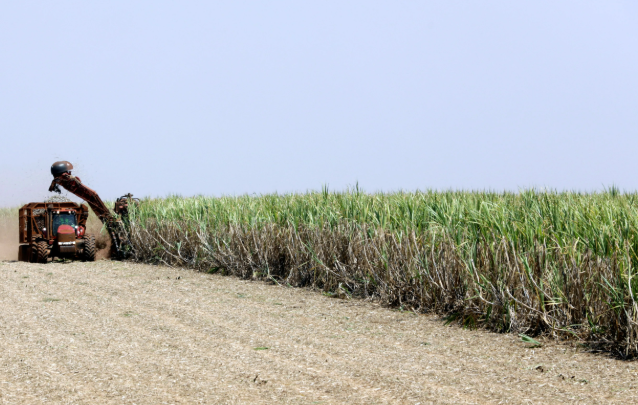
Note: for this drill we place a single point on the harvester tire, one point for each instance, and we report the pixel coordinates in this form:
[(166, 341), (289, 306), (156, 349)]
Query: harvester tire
[(88, 255), (40, 252)]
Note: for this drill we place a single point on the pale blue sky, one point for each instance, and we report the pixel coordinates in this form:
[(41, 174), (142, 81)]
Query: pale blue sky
[(158, 97)]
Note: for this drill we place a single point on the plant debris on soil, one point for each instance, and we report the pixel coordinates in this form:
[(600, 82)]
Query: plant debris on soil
[(125, 333)]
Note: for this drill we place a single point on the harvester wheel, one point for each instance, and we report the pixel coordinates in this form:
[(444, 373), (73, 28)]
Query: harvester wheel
[(88, 255), (40, 251)]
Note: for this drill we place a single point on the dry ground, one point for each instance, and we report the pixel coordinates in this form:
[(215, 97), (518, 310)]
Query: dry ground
[(124, 333)]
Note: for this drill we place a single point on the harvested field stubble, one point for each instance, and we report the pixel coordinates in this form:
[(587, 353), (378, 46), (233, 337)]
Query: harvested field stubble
[(560, 264), (128, 333)]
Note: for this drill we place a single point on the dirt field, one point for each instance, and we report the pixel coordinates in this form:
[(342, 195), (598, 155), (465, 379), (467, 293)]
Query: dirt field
[(123, 333)]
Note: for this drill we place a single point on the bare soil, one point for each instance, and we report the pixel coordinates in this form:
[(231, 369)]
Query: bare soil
[(124, 333)]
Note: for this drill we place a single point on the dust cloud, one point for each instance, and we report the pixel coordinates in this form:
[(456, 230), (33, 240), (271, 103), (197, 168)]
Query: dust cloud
[(102, 240), (9, 239)]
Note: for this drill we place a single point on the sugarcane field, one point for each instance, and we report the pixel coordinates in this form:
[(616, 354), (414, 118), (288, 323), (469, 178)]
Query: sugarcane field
[(330, 297), (318, 202)]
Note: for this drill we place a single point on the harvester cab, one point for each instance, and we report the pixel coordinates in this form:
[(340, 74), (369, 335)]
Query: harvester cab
[(49, 230)]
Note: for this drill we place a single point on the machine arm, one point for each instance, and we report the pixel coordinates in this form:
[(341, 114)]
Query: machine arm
[(119, 237), (74, 185)]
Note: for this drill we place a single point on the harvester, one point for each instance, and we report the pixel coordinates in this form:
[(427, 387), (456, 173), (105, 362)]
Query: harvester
[(46, 228), (55, 229)]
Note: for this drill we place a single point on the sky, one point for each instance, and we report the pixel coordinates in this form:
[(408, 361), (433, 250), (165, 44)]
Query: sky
[(242, 97)]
